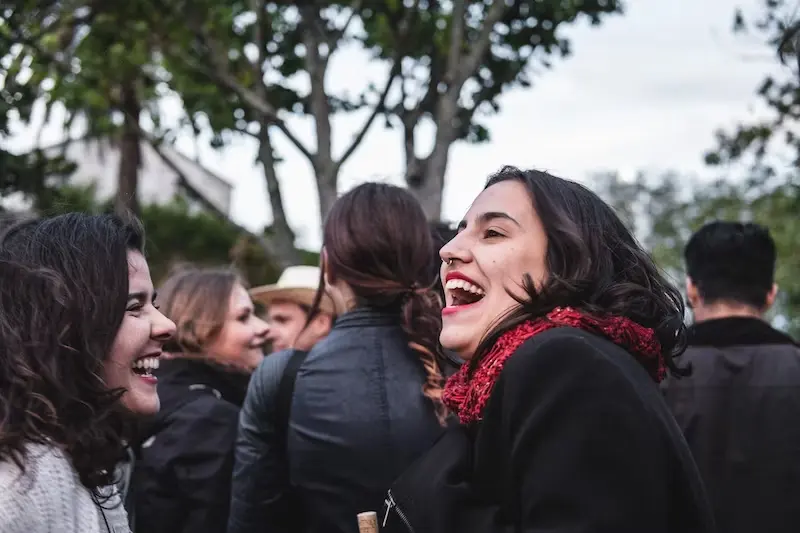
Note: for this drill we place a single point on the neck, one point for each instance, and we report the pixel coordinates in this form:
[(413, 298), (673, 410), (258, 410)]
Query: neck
[(703, 313), (344, 299)]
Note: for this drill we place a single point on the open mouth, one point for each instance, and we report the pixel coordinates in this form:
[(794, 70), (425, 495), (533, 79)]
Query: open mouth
[(462, 292), (145, 366)]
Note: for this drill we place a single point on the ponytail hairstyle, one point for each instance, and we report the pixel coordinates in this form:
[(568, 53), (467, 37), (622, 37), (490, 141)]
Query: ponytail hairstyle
[(377, 240)]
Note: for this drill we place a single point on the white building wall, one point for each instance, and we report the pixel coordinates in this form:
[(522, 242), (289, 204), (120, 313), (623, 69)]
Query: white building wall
[(98, 163)]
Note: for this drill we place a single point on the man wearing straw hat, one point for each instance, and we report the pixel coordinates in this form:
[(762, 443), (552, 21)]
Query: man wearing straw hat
[(288, 304)]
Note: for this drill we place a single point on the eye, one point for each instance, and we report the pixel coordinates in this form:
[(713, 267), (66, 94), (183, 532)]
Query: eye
[(490, 234), (134, 307)]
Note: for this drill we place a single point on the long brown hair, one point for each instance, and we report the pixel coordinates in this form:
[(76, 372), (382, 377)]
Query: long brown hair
[(196, 299), (378, 241)]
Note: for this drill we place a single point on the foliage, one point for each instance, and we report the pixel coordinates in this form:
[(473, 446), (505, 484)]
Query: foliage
[(176, 235), (450, 60), (664, 211), (771, 145), (26, 174), (79, 54)]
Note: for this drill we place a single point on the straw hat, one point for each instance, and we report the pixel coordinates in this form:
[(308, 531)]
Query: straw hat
[(297, 284)]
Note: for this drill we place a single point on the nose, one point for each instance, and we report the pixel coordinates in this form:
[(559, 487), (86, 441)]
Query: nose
[(261, 327), (456, 249), (162, 329)]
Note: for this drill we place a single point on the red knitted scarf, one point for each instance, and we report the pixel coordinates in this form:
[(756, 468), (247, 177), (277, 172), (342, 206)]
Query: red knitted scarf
[(466, 393)]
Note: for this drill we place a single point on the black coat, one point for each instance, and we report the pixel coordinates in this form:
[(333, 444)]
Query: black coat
[(182, 476), (358, 418), (740, 412), (575, 438)]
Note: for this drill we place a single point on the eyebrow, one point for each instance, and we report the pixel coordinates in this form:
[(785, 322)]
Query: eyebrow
[(484, 218), (141, 295)]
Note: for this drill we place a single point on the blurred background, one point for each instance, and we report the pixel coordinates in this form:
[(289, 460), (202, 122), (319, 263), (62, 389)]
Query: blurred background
[(231, 126)]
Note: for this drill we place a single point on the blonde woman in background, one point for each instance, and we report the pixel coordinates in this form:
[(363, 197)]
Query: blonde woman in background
[(185, 457)]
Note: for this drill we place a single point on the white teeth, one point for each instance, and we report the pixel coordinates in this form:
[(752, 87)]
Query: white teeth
[(146, 363), (464, 285)]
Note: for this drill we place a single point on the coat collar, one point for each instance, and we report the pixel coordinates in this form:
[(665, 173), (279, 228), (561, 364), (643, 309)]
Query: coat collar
[(736, 331)]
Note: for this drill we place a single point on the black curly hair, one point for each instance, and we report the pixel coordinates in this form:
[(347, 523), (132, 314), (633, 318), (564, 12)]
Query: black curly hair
[(63, 292)]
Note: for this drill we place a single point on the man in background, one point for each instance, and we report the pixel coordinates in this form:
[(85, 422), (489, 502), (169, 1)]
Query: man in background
[(739, 408), (288, 304)]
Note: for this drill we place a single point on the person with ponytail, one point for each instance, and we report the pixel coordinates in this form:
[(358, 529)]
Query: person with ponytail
[(566, 326), (367, 399)]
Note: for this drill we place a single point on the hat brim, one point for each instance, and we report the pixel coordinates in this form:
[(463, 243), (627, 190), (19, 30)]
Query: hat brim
[(269, 294)]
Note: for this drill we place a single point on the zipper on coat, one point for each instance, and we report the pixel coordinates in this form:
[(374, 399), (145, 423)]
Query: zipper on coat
[(391, 504)]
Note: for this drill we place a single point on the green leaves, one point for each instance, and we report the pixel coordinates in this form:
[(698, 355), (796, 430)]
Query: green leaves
[(663, 211)]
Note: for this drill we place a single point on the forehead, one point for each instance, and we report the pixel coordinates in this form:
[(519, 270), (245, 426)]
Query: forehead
[(284, 308), (239, 297), (510, 197), (138, 272)]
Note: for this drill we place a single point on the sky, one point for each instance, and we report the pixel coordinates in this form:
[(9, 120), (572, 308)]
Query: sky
[(643, 91)]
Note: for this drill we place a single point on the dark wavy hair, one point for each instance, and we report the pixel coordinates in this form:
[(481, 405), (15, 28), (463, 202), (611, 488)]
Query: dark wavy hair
[(594, 265), (376, 239), (63, 292)]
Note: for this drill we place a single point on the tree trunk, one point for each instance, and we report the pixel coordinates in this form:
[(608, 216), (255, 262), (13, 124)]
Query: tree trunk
[(282, 235), (326, 190), (428, 183), (429, 191), (127, 199)]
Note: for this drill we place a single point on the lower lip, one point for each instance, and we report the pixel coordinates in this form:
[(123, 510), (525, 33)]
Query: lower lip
[(150, 380), (450, 309)]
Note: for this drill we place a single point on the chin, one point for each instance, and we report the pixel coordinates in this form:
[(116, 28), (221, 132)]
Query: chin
[(141, 404), (457, 344)]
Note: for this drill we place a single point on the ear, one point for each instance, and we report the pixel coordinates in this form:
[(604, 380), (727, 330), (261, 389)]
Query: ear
[(771, 296), (692, 294)]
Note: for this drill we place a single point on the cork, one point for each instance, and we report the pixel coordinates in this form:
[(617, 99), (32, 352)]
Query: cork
[(368, 522)]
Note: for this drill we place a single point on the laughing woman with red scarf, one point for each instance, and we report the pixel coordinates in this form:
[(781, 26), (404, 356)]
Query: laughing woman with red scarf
[(566, 326)]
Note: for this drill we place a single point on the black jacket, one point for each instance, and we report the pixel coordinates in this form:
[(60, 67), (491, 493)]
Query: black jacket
[(575, 438), (358, 419), (740, 413), (182, 476)]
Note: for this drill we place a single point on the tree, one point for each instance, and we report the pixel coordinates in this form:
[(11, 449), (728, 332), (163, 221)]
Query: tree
[(457, 57), (466, 52), (770, 145), (33, 175), (103, 64), (92, 59), (664, 211)]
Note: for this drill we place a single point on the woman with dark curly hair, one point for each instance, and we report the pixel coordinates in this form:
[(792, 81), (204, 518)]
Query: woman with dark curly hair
[(79, 337), (566, 326)]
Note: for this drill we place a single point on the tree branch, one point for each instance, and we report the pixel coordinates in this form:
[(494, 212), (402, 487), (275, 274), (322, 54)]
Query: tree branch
[(316, 66), (471, 63), (222, 74), (355, 7), (379, 106), (258, 7), (456, 39), (195, 194)]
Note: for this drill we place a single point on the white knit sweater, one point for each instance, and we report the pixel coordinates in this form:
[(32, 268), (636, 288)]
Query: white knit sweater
[(50, 498)]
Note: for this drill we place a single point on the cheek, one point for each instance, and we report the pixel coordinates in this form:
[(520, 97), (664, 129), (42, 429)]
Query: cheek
[(131, 339), (233, 339)]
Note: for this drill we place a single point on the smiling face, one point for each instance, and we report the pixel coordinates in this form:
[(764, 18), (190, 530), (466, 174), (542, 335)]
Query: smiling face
[(499, 241), (137, 345), (241, 340)]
